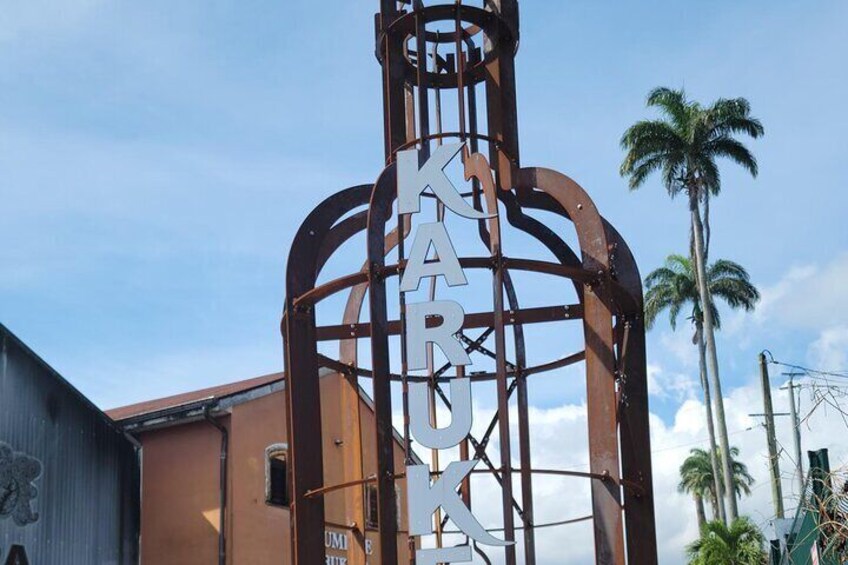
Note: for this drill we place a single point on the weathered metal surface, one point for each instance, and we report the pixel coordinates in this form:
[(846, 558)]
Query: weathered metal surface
[(601, 271), (301, 361), (379, 212), (513, 316), (75, 499)]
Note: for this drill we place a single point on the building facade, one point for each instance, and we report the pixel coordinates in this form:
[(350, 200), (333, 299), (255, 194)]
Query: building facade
[(214, 467)]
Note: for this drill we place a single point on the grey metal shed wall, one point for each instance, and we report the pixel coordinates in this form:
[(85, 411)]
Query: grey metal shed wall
[(89, 489)]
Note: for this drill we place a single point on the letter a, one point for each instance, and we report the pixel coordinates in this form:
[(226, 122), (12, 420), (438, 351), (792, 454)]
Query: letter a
[(446, 265), (418, 335), (412, 181), (425, 498)]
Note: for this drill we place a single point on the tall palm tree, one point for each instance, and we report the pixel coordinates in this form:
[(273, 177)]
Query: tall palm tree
[(673, 287), (741, 543), (698, 479), (684, 146)]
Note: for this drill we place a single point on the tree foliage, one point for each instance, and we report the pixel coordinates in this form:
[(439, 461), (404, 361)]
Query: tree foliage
[(741, 543), (685, 143), (673, 287), (696, 474)]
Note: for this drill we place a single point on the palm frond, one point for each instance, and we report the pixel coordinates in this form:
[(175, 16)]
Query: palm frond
[(733, 116), (736, 151), (672, 103), (650, 145), (683, 145)]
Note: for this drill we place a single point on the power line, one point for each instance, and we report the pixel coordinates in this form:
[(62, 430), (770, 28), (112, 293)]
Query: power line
[(840, 374)]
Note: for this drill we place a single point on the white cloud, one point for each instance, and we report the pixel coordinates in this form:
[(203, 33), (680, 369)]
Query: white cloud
[(560, 441), (679, 344), (810, 296), (669, 385), (830, 350)]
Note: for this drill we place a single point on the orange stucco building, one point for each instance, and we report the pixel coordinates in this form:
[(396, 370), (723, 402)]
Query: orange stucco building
[(218, 456)]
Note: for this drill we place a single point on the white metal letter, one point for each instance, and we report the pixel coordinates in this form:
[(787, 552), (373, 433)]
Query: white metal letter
[(459, 554), (418, 335), (419, 415), (446, 263), (412, 181), (424, 498)]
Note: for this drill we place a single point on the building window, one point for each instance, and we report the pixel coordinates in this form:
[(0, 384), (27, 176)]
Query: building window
[(372, 516), (276, 475)]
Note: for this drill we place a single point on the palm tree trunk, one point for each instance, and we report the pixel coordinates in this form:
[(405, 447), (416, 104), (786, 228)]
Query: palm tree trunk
[(714, 500), (712, 357), (699, 508), (717, 500)]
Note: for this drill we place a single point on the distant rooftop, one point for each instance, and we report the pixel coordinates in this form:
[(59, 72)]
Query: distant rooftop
[(211, 393)]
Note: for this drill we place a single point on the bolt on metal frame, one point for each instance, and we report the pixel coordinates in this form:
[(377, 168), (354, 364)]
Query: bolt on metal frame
[(484, 42)]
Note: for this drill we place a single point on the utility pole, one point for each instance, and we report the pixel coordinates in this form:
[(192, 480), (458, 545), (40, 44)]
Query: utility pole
[(774, 463), (796, 429)]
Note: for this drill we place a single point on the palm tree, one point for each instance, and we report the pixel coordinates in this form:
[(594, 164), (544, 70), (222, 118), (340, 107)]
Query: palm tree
[(741, 543), (673, 287), (684, 147), (698, 479)]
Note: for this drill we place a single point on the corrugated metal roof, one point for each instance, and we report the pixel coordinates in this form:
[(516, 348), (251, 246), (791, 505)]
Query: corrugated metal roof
[(75, 476), (146, 412), (211, 393)]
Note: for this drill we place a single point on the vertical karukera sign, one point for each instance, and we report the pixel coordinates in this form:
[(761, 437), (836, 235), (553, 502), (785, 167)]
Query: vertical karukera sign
[(448, 73), (425, 498)]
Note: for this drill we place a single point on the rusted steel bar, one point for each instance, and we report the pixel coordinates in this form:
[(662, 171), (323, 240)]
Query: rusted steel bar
[(476, 377), (465, 486), (537, 526), (550, 472), (390, 53), (479, 19), (522, 401), (435, 461), (460, 68), (600, 358), (351, 398), (545, 267), (476, 166), (558, 364), (422, 74), (385, 191), (500, 93), (339, 234), (439, 136), (423, 124), (475, 320), (304, 424), (634, 415)]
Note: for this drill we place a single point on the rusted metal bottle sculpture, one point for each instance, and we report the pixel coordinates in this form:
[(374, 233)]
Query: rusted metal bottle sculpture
[(464, 52)]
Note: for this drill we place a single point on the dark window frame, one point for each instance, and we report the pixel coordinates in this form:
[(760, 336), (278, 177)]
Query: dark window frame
[(277, 455), (371, 504)]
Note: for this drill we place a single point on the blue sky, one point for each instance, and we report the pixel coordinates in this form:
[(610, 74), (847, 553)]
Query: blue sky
[(156, 159)]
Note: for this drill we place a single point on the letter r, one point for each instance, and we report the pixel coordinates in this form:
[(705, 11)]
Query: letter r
[(418, 335)]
